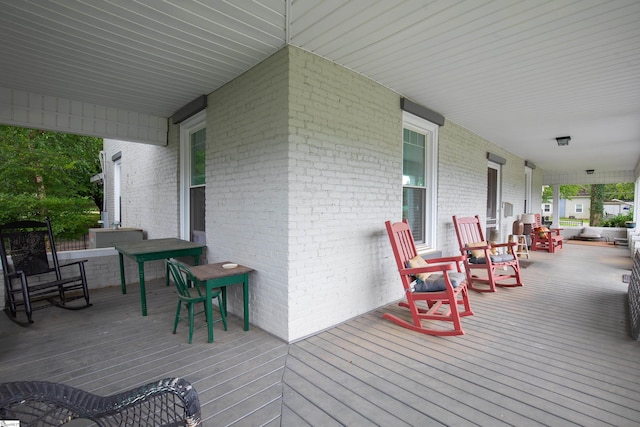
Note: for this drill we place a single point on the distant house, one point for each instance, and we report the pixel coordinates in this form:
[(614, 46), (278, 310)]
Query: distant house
[(579, 207), (617, 207)]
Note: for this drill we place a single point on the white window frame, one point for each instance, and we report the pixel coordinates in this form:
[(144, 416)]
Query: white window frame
[(498, 200), (430, 130), (579, 208), (187, 127), (117, 194)]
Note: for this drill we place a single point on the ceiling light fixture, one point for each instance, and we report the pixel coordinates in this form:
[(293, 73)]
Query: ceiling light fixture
[(563, 140), (590, 171)]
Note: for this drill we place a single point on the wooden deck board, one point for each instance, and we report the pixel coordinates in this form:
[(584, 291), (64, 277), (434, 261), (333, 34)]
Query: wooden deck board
[(556, 352)]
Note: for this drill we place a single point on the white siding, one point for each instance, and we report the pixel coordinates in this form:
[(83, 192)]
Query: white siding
[(37, 111)]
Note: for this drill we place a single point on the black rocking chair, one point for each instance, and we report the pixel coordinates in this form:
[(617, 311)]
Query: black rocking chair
[(28, 275)]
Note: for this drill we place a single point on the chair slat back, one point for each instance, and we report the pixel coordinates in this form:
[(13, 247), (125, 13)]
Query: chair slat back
[(468, 230), (27, 243), (538, 222), (184, 280), (402, 242)]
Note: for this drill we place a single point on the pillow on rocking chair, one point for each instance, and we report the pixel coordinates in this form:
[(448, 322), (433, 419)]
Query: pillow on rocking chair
[(432, 282), (477, 255), (542, 232)]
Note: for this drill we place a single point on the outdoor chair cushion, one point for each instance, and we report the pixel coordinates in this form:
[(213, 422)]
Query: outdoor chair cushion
[(479, 253), (542, 232), (432, 282), (416, 262), (435, 282), (494, 258), (590, 233)]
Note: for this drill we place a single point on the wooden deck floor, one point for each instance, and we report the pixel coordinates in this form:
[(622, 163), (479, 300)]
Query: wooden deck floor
[(554, 353)]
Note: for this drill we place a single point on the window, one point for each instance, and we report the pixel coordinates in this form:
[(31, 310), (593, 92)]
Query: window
[(579, 208), (419, 157), (197, 188), (193, 171), (547, 208), (117, 196)]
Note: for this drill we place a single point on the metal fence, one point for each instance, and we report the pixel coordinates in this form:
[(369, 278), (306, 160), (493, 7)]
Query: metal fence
[(72, 245), (573, 222)]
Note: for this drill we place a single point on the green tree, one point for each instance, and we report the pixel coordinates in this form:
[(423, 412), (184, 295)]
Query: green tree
[(597, 204), (46, 173), (566, 192), (621, 191)]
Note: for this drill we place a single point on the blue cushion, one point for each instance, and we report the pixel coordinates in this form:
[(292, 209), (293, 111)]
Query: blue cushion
[(494, 258), (435, 282)]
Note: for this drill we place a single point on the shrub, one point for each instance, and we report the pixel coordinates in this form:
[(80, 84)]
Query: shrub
[(71, 218), (617, 221)]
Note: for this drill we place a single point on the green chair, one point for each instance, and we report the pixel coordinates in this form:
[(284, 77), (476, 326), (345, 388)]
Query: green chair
[(190, 294)]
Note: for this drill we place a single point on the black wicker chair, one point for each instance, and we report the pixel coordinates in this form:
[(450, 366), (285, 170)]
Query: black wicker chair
[(28, 275), (168, 402)]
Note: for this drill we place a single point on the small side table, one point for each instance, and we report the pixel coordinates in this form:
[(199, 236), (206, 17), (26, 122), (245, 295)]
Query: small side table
[(215, 276), (523, 248)]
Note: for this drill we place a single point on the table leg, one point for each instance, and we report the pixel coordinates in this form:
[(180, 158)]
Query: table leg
[(208, 306), (123, 283), (166, 273), (224, 299), (245, 298), (143, 292)]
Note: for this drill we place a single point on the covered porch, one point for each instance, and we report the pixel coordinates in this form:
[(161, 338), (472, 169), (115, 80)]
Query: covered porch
[(556, 352)]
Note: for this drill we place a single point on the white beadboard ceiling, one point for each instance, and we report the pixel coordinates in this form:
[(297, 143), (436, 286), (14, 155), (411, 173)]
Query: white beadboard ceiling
[(518, 73)]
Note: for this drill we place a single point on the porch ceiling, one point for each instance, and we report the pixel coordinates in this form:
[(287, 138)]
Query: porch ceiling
[(518, 73)]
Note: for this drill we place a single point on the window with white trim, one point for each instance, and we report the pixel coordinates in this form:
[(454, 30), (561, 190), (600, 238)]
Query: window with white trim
[(193, 168), (419, 172), (579, 208)]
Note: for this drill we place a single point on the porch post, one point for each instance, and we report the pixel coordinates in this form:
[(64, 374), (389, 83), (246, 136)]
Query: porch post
[(636, 201), (556, 206)]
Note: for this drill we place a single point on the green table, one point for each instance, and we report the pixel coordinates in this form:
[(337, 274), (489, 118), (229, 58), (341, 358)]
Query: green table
[(215, 276), (152, 250)]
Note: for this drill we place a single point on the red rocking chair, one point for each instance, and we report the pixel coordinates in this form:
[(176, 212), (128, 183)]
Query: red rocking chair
[(433, 282), (480, 254), (543, 238)]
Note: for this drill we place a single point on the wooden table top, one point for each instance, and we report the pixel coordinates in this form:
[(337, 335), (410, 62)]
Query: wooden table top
[(155, 245), (215, 271)]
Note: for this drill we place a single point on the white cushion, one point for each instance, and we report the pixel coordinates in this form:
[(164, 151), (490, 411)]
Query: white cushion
[(590, 233)]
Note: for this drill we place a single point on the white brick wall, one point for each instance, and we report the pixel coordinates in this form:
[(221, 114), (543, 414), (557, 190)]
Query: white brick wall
[(303, 168), (103, 268), (462, 182), (246, 187), (149, 186), (345, 179), (304, 165)]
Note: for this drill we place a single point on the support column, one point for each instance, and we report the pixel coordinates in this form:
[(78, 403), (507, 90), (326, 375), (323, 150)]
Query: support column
[(556, 206)]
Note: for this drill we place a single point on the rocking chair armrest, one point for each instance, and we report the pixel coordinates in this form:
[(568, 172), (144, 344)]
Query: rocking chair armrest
[(15, 274), (68, 264), (504, 245), (457, 260), (429, 269), (448, 259)]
